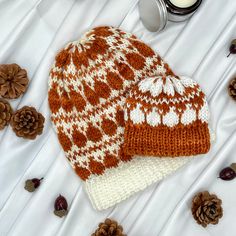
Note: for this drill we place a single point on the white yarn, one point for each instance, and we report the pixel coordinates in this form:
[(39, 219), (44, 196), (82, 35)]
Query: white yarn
[(153, 118), (177, 84), (187, 82), (171, 118), (156, 86), (188, 116), (137, 116), (204, 113), (168, 88), (118, 184)]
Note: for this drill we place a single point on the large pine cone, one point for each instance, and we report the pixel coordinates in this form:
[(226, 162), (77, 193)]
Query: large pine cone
[(109, 228), (206, 208), (232, 88), (5, 113), (13, 81), (27, 123)]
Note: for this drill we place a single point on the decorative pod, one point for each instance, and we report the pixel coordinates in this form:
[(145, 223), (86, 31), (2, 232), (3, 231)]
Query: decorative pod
[(27, 122), (5, 113), (232, 48), (206, 208), (109, 228), (13, 81), (232, 88), (61, 206), (227, 174), (32, 184)]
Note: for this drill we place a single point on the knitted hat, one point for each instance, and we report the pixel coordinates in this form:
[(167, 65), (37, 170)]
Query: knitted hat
[(87, 90), (166, 116)]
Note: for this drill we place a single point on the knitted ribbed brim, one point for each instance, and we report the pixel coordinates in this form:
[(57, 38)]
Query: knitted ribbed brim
[(162, 142), (116, 185)]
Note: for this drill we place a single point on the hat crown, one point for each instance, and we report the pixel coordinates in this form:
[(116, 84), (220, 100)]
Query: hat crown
[(169, 85), (167, 100)]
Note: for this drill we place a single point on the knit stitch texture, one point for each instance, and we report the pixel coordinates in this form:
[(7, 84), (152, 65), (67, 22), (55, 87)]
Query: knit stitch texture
[(88, 85), (166, 116)]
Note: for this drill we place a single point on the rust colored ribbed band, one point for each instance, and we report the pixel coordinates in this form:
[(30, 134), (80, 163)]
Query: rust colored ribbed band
[(167, 142)]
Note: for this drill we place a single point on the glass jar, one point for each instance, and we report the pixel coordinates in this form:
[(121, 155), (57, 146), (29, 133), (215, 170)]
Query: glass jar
[(155, 13)]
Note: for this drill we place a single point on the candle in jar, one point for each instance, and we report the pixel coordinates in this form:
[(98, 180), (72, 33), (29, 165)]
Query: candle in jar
[(183, 3)]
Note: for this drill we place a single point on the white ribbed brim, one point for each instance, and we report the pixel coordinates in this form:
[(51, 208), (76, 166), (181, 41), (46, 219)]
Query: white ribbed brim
[(118, 184)]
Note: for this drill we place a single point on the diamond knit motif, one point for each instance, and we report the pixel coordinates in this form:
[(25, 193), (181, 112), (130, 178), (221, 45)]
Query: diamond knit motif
[(167, 116)]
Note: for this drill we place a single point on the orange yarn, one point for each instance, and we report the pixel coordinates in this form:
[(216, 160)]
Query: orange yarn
[(167, 142)]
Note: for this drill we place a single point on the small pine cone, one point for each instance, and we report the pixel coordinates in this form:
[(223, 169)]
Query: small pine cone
[(13, 81), (27, 122), (206, 208), (5, 113), (232, 88), (109, 228)]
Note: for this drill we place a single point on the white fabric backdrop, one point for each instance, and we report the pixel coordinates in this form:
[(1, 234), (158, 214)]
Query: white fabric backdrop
[(32, 32)]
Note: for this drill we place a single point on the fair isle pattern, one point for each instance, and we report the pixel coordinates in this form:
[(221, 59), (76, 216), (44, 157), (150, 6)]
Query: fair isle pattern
[(175, 112), (169, 115), (87, 88), (88, 85)]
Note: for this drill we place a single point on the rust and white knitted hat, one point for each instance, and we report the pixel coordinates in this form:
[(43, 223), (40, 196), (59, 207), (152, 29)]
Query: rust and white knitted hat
[(166, 116), (88, 85)]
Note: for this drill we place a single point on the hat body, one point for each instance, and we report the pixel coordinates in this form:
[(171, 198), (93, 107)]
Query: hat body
[(167, 116)]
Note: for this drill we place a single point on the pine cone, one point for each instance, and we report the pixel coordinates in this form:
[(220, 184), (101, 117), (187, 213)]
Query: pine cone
[(5, 113), (13, 81), (232, 88), (109, 228), (206, 208), (27, 123)]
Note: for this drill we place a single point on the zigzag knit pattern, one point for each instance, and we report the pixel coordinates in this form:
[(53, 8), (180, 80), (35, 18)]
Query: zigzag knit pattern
[(88, 84)]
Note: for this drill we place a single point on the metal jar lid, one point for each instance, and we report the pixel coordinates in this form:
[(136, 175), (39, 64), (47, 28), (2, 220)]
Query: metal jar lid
[(153, 14)]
